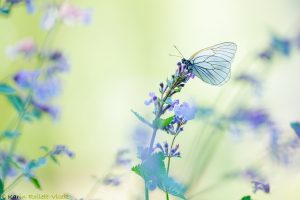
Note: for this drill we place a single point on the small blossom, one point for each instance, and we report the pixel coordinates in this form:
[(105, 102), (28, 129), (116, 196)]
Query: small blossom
[(185, 111), (71, 14), (46, 90), (266, 55), (168, 153), (26, 47), (62, 150), (153, 98), (26, 78), (265, 187), (171, 104)]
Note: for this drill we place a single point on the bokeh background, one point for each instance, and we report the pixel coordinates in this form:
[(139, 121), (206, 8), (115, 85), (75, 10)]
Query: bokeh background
[(122, 56)]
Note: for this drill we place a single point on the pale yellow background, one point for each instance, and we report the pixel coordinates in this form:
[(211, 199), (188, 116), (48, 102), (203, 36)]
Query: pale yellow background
[(122, 56)]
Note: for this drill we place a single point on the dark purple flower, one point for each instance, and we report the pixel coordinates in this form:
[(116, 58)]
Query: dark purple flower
[(59, 63), (265, 187)]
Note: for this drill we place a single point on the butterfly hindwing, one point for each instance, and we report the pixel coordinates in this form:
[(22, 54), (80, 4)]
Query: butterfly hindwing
[(212, 65)]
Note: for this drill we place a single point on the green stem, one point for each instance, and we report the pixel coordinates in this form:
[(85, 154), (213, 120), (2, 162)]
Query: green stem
[(146, 192), (10, 186), (169, 162)]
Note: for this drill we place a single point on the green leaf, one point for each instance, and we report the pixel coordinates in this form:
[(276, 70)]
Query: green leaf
[(141, 118), (1, 187), (54, 159), (35, 182), (10, 134), (246, 198), (162, 123), (170, 185), (44, 148), (17, 102), (153, 170), (6, 89)]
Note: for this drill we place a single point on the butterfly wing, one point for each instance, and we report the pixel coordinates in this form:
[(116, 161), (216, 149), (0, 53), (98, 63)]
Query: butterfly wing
[(212, 65)]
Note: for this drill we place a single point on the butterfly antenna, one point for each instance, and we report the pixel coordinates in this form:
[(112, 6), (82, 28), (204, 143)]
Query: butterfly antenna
[(175, 55), (178, 51)]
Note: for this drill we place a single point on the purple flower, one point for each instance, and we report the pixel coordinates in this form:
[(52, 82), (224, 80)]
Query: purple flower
[(296, 127), (59, 63), (33, 165), (46, 90), (265, 187), (153, 99), (30, 6), (255, 118), (253, 81), (53, 111), (171, 104), (185, 111), (26, 79), (168, 153), (62, 150), (266, 55)]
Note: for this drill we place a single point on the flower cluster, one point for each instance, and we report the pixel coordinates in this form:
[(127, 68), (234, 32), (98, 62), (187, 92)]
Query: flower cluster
[(169, 153), (7, 5), (65, 13), (282, 46)]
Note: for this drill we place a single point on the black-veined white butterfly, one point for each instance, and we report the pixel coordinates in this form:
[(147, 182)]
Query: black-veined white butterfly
[(212, 64)]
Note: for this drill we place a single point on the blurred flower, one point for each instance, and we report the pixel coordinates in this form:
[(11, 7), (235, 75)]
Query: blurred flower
[(265, 187), (46, 90), (281, 45), (53, 111), (266, 54), (255, 117), (112, 180), (33, 165), (67, 13), (296, 127), (26, 47), (26, 78), (185, 111), (140, 137), (62, 150), (122, 158), (152, 99), (253, 81), (171, 104), (59, 63), (10, 170)]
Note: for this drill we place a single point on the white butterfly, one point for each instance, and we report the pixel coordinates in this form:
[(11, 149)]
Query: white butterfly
[(212, 65)]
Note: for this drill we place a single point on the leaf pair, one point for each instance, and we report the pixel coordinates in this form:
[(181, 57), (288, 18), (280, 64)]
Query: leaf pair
[(154, 172)]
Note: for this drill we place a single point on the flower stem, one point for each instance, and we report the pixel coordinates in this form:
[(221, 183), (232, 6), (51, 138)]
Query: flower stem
[(169, 162), (146, 192)]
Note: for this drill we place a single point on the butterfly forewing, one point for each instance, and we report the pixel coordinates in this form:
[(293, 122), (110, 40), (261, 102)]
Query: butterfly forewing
[(212, 64)]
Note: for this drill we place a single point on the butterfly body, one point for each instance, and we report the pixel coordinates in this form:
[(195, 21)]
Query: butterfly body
[(212, 65)]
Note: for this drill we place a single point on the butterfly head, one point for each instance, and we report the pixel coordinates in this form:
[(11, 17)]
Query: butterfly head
[(186, 62)]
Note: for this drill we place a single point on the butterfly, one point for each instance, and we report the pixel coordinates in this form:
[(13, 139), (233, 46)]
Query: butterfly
[(212, 64)]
